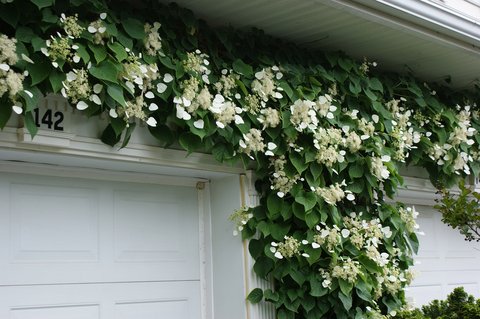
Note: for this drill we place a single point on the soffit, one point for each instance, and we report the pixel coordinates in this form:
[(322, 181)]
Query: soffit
[(397, 40)]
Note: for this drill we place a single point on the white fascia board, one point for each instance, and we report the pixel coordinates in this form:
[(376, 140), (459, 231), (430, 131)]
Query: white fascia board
[(441, 18), (422, 17)]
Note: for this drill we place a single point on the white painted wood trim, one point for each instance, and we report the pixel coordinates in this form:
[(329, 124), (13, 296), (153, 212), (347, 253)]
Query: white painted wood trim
[(97, 174), (69, 144), (262, 310), (206, 269)]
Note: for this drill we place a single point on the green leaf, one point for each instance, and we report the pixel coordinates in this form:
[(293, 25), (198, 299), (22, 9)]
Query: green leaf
[(316, 170), (369, 264), (5, 112), (118, 50), (345, 286), (255, 296), (83, 53), (30, 123), (99, 52), (263, 266), (312, 219), (42, 3), (375, 84), (354, 86), (116, 92), (56, 79), (134, 28), (307, 199), (48, 16), (190, 142), (298, 276), (346, 300), (255, 247), (24, 34), (166, 61), (308, 303), (316, 288), (31, 102), (125, 40), (372, 96), (270, 295), (278, 230), (109, 136), (274, 204), (162, 133), (105, 71), (40, 70), (346, 64), (242, 68), (355, 170), (363, 291), (298, 161), (9, 14), (118, 125), (128, 134), (298, 211)]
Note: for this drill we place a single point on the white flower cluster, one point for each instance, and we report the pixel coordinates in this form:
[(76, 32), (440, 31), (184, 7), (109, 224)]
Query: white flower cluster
[(11, 82), (367, 236), (59, 48), (264, 84), (392, 279), (196, 94), (328, 237), (252, 141), (141, 80), (153, 41), (71, 26), (454, 151), (287, 249), (403, 135), (280, 181), (77, 88), (304, 115), (269, 117), (409, 217), (99, 30), (226, 85), (334, 193), (225, 111), (378, 169), (364, 234), (347, 269), (240, 217)]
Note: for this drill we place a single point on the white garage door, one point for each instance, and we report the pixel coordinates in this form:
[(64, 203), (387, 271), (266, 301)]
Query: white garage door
[(82, 249), (446, 260)]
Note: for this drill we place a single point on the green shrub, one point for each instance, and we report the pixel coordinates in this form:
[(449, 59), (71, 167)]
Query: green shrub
[(458, 305)]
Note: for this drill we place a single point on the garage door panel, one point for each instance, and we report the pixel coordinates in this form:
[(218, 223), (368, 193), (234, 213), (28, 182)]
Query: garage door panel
[(152, 233), (72, 237), (93, 301), (445, 259), (61, 312), (152, 309)]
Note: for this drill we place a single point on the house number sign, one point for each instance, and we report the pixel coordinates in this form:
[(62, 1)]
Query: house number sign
[(53, 114), (50, 119)]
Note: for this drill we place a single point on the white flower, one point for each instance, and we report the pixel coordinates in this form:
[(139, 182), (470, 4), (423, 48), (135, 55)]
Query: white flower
[(151, 122), (199, 124), (82, 105)]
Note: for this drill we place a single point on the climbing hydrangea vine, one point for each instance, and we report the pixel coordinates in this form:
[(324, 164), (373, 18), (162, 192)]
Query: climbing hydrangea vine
[(326, 135)]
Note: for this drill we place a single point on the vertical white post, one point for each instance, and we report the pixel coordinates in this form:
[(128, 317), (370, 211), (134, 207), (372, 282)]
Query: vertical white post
[(262, 310)]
